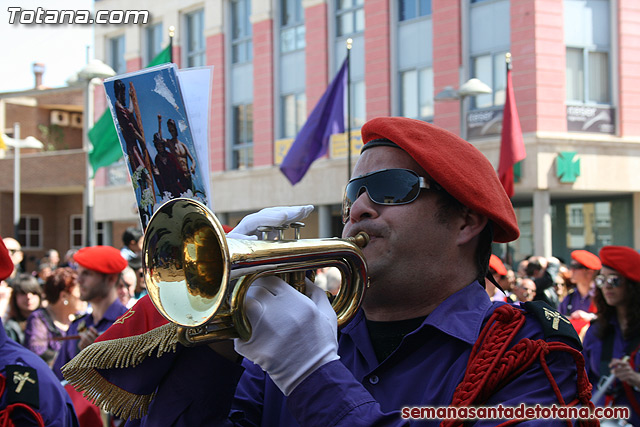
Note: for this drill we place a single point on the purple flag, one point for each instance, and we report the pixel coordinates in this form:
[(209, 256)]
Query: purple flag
[(326, 119)]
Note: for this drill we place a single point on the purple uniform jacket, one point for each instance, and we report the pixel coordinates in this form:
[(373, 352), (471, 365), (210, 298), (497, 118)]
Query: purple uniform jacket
[(356, 390), (592, 352), (574, 301), (55, 405), (70, 349)]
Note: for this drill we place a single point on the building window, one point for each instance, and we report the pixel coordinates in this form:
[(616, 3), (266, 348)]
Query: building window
[(294, 114), (587, 76), (350, 17), (416, 87), (492, 70), (76, 228), (30, 231), (292, 29), (195, 52), (409, 9), (241, 42), (154, 41), (116, 55), (242, 136)]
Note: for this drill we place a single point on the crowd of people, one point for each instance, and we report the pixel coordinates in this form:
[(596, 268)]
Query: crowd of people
[(443, 322)]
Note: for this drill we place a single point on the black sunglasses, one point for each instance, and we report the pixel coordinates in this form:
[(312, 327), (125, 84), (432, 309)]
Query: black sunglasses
[(577, 266), (613, 281), (385, 187)]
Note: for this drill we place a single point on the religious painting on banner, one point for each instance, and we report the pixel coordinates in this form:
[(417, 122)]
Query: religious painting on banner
[(164, 147)]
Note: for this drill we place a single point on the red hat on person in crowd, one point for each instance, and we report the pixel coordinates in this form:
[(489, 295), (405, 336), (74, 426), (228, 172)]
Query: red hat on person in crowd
[(103, 259), (6, 264), (456, 165), (587, 259), (496, 265), (623, 259)]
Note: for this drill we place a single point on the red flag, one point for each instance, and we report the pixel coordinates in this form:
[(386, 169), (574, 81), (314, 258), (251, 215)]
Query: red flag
[(511, 144)]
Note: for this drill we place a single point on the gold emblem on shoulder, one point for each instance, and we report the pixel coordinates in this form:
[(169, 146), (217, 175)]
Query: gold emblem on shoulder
[(21, 379), (124, 317), (555, 317)]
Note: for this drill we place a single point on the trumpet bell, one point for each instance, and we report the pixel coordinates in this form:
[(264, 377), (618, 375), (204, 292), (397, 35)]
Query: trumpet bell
[(186, 262), (198, 278)]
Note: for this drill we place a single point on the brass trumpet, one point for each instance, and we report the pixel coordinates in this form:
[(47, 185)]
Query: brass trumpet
[(198, 278)]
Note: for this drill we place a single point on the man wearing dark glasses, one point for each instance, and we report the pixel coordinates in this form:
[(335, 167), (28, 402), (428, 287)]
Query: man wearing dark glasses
[(431, 204), (578, 305)]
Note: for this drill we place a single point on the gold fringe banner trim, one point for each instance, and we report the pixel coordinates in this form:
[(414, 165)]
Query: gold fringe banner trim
[(118, 353)]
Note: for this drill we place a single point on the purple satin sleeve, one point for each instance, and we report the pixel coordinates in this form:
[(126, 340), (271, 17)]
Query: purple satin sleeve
[(197, 390)]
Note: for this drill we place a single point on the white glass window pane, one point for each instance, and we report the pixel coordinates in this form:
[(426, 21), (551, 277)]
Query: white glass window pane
[(301, 111), (409, 84), (575, 75), (359, 20), (499, 84), (599, 77), (482, 66), (426, 92), (345, 23), (289, 116), (288, 39), (359, 104), (300, 37)]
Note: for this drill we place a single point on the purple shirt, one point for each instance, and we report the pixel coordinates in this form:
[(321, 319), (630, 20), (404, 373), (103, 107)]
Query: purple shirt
[(39, 335), (356, 390), (70, 349), (575, 301), (592, 352)]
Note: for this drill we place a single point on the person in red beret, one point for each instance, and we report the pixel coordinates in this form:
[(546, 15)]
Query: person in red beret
[(427, 333), (499, 273), (578, 304), (99, 269), (612, 342)]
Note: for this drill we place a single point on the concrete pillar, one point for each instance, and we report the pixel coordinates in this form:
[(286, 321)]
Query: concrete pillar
[(542, 223), (324, 220)]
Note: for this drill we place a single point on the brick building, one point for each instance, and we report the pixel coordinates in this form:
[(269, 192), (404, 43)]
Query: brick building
[(52, 179), (575, 75)]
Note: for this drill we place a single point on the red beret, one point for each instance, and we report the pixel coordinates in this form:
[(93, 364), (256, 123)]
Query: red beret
[(624, 260), (459, 167), (587, 259), (496, 264), (103, 259), (6, 264)]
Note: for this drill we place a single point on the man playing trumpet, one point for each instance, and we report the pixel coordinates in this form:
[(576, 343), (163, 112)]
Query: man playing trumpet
[(425, 335)]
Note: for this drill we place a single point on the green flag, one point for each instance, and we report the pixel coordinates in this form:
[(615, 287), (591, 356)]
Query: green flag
[(103, 136)]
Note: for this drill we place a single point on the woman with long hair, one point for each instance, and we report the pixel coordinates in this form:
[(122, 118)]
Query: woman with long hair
[(611, 343), (25, 299), (47, 326)]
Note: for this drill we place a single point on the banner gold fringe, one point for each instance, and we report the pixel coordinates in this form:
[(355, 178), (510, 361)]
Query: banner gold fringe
[(118, 353)]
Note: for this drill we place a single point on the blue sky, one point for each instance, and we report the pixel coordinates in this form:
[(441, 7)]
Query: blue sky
[(62, 48)]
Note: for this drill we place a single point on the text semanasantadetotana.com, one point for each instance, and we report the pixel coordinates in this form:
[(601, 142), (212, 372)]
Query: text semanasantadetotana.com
[(514, 412)]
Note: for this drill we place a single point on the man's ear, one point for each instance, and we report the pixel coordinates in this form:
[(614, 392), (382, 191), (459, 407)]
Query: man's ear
[(471, 226)]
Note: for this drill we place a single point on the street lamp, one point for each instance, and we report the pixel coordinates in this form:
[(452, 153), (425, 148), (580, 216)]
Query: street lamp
[(472, 87), (17, 144), (95, 69)]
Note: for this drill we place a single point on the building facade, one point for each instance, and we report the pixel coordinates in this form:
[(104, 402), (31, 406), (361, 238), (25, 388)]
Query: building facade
[(575, 78)]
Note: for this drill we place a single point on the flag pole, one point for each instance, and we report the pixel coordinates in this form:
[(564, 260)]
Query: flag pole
[(172, 32), (349, 45), (507, 258)]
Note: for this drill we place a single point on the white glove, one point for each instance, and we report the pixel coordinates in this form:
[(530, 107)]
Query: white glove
[(292, 334), (272, 217)]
